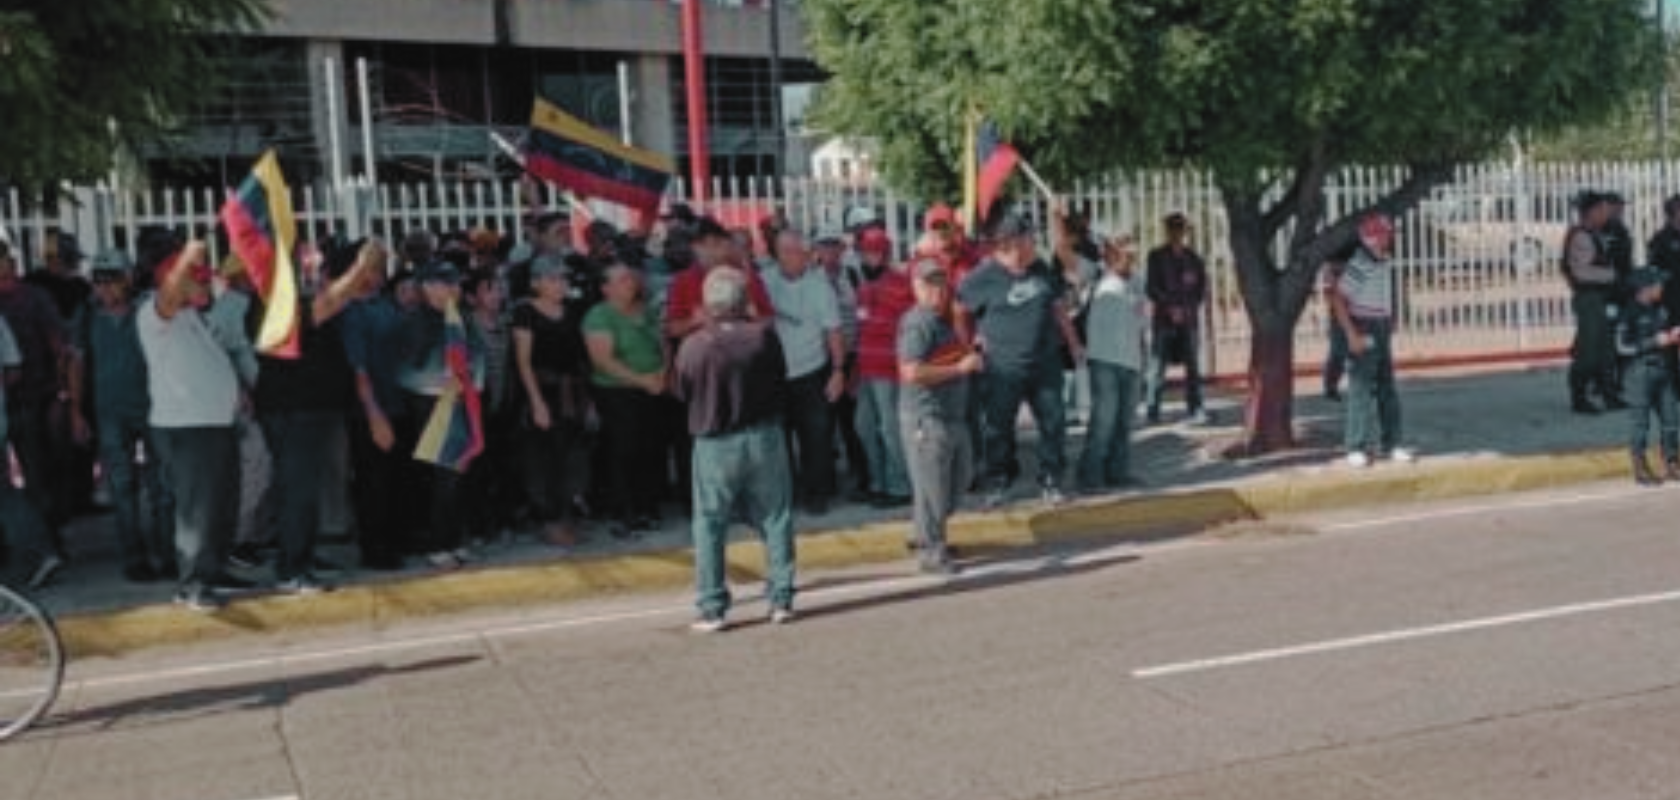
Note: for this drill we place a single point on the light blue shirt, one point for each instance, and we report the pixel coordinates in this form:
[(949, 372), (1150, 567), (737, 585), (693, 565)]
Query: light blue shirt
[(189, 370), (806, 311), (1117, 321)]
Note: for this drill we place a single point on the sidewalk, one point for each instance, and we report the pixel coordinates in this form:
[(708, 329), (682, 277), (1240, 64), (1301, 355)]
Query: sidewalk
[(1477, 433)]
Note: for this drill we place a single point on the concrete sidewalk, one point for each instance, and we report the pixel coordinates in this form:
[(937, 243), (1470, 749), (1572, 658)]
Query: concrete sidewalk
[(1477, 433)]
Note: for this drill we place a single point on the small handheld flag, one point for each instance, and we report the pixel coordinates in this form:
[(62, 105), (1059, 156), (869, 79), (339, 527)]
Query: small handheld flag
[(454, 434), (262, 232)]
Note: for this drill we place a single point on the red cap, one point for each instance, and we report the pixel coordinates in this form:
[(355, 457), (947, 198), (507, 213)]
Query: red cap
[(939, 214), (874, 240), (1376, 228)]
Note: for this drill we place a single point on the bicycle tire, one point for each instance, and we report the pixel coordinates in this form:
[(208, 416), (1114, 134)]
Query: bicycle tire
[(31, 662)]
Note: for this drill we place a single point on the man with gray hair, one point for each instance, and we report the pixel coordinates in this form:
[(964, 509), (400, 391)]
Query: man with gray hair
[(731, 374)]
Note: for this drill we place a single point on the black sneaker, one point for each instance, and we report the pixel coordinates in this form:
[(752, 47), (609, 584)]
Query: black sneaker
[(322, 566), (230, 584), (245, 556), (140, 573), (200, 598)]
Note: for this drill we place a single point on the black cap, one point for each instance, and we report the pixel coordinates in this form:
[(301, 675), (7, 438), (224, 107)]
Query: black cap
[(1010, 226), (440, 272), (1589, 198), (1177, 220)]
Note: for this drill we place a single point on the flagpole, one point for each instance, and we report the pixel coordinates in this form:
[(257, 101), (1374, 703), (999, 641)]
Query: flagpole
[(1032, 175), (512, 152)]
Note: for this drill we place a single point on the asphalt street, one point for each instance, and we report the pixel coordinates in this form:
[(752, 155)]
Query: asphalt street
[(1515, 647)]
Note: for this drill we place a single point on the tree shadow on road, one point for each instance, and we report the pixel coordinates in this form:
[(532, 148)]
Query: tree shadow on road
[(248, 696)]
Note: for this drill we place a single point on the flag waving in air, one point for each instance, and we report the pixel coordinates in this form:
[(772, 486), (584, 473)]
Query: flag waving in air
[(574, 155), (262, 233), (454, 435), (988, 161)]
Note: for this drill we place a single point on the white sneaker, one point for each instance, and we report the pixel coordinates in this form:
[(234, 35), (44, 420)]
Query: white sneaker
[(1358, 460), (1403, 455), (781, 616), (708, 625), (1200, 419)]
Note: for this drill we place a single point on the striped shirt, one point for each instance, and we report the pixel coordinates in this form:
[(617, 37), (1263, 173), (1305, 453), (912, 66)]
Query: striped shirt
[(1367, 283)]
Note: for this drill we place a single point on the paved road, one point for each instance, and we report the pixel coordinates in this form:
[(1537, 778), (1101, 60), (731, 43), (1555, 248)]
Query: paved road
[(1526, 648)]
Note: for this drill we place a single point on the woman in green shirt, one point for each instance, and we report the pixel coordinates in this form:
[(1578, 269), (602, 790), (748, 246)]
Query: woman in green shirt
[(623, 337)]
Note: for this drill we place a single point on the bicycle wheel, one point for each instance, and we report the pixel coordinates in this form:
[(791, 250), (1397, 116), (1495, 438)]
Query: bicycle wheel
[(31, 662)]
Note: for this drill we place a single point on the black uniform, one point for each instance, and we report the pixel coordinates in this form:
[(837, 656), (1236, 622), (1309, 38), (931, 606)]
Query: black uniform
[(1649, 377)]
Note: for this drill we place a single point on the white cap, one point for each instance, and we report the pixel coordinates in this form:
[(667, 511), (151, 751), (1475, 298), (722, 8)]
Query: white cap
[(860, 215)]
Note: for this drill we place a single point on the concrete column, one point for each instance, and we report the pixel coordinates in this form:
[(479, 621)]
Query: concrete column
[(653, 122), (319, 50)]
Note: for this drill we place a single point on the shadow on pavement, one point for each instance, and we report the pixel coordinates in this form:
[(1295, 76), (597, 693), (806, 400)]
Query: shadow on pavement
[(248, 696)]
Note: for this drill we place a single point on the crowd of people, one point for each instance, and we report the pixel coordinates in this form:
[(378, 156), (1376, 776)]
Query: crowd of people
[(618, 381)]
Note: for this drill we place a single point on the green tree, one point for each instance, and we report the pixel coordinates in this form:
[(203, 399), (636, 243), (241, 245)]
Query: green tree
[(1270, 96), (72, 72)]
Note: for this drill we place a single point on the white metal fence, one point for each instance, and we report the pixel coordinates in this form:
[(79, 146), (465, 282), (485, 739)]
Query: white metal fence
[(1478, 259)]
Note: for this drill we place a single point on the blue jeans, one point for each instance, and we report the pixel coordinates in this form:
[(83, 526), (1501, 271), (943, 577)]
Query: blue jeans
[(1373, 405), (1335, 362), (142, 542), (877, 425), (1004, 393), (1107, 460), (749, 468)]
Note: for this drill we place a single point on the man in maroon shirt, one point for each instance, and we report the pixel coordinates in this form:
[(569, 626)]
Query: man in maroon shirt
[(1176, 281), (39, 392)]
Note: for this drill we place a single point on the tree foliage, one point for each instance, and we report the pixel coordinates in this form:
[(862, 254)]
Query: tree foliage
[(1271, 96), (72, 71)]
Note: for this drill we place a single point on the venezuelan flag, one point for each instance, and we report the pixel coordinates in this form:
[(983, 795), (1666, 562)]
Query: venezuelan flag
[(454, 435), (575, 155), (262, 232), (988, 162)]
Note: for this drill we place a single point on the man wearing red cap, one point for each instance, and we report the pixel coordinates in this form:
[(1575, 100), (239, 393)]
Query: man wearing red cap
[(883, 299), (195, 394), (1364, 307)]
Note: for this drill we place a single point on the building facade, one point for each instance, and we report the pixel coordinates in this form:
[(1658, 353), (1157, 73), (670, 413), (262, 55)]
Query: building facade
[(441, 75)]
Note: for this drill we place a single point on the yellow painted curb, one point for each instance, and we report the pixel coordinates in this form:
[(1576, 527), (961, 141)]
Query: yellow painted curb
[(1141, 518)]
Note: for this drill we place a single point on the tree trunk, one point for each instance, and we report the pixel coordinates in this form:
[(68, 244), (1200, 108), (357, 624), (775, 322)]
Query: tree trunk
[(1270, 412)]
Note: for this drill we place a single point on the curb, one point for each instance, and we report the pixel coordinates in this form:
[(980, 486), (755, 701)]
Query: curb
[(1116, 520)]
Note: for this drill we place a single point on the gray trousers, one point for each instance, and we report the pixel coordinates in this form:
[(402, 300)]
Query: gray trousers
[(941, 459), (201, 469), (877, 425)]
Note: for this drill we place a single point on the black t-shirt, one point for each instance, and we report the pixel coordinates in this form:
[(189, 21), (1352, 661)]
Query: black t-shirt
[(69, 292), (1014, 315), (320, 380), (557, 349)]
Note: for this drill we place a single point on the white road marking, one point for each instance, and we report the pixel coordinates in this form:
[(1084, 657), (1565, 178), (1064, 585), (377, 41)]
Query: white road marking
[(1407, 634)]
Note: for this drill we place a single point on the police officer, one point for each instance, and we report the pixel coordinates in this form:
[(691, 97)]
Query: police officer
[(1592, 281)]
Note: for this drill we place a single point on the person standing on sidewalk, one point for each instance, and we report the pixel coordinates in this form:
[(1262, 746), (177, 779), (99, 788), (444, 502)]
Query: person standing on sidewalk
[(731, 373), (196, 397), (883, 299), (299, 403), (1364, 308), (109, 379), (1018, 305), (808, 324), (1178, 285), (1592, 282), (1645, 337), (628, 377), (1663, 251), (553, 370), (1117, 326), (935, 368), (382, 434)]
